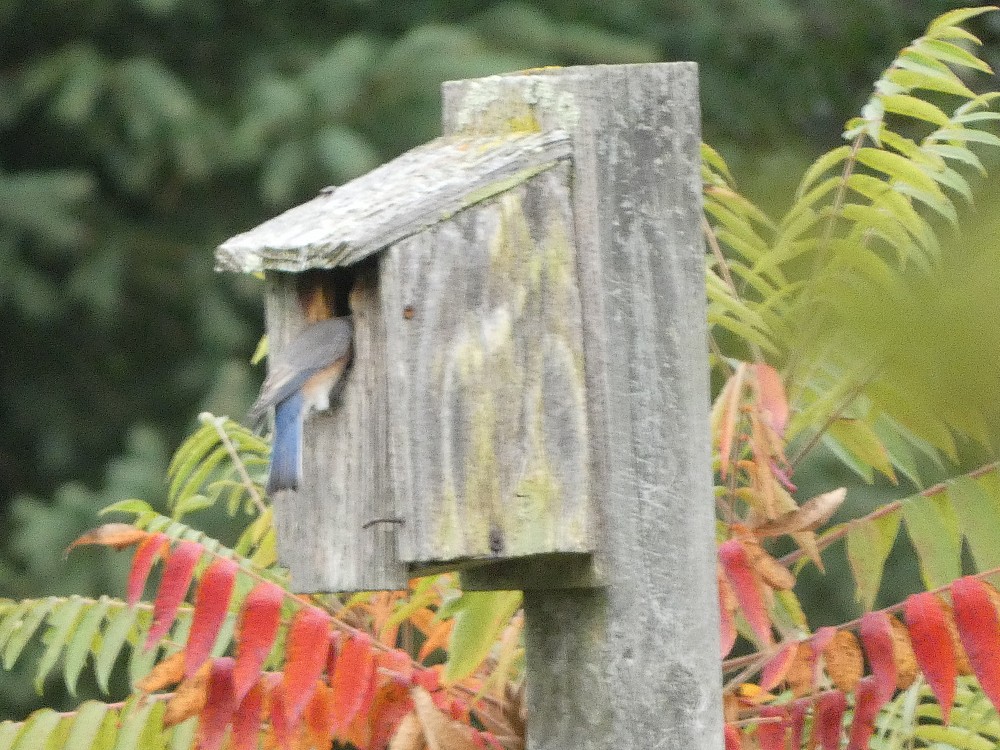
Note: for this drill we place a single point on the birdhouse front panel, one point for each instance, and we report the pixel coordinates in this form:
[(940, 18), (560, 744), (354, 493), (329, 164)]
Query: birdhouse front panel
[(487, 418)]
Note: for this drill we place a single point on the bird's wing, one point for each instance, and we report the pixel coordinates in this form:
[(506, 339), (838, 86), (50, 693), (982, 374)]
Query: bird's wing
[(317, 347)]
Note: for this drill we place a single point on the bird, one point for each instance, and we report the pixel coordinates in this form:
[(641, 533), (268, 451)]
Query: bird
[(300, 381)]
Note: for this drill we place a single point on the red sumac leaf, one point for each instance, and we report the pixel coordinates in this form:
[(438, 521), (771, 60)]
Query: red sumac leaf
[(979, 629), (308, 646), (353, 678), (866, 707), (771, 734), (829, 716), (255, 633), (733, 740), (797, 721), (142, 562), (928, 626), (736, 564), (174, 584), (210, 606), (876, 635), (219, 705), (247, 719), (284, 730), (777, 667)]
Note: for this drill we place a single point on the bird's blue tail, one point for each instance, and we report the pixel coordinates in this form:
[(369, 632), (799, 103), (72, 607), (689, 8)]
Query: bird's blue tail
[(286, 451)]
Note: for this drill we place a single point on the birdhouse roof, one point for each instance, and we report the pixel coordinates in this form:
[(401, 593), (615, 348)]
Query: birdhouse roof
[(426, 185)]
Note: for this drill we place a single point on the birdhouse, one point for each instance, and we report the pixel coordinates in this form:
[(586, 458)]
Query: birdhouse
[(507, 286)]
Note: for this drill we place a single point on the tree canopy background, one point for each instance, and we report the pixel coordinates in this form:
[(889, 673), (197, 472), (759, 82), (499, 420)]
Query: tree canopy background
[(137, 134)]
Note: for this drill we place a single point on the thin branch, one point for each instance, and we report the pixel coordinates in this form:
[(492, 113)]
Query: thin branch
[(248, 484)]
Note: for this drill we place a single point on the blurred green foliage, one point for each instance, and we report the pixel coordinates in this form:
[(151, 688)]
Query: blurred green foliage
[(137, 134)]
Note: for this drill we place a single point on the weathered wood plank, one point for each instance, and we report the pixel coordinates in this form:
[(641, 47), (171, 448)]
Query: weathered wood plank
[(486, 390), (334, 533), (400, 198), (634, 664)]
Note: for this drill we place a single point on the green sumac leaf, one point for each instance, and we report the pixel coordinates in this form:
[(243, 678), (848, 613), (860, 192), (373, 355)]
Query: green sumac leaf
[(933, 528), (714, 160), (61, 624), (111, 644), (858, 438), (955, 17), (82, 641), (977, 506), (480, 617), (952, 53), (967, 134), (868, 546), (938, 736), (87, 723), (946, 83), (38, 729), (26, 628), (821, 166), (911, 106), (898, 168)]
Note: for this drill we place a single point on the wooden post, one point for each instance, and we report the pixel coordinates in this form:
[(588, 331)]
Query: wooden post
[(633, 663)]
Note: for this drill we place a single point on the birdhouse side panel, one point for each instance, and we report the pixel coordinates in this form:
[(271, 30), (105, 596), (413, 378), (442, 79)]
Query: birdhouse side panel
[(488, 431), (336, 532)]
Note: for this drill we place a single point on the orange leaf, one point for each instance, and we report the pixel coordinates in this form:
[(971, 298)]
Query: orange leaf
[(353, 678), (255, 634), (117, 535), (391, 703), (438, 638), (189, 698), (730, 396), (168, 672), (979, 630), (902, 654), (247, 719), (801, 674), (736, 564), (777, 666), (173, 586), (771, 397), (284, 730), (844, 662), (876, 635), (829, 716), (308, 645), (142, 562), (320, 715), (210, 607), (866, 707), (818, 644), (219, 705), (927, 622)]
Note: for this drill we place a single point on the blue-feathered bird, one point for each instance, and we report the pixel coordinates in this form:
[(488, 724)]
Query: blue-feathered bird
[(300, 381)]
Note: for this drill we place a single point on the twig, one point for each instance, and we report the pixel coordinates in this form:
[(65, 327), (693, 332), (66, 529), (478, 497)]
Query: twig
[(248, 484)]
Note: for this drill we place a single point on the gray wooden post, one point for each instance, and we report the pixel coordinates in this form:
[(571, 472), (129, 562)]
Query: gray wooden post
[(633, 663)]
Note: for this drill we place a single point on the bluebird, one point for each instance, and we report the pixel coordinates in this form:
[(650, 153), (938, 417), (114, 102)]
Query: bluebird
[(300, 381)]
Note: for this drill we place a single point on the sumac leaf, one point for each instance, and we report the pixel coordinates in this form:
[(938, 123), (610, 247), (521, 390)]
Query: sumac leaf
[(733, 741), (771, 734), (927, 623), (210, 607), (829, 717), (797, 721), (114, 535), (247, 718), (255, 634), (353, 678), (771, 393), (736, 564), (777, 666), (866, 708), (876, 635), (979, 629), (308, 646), (843, 660), (219, 705), (174, 584), (142, 562)]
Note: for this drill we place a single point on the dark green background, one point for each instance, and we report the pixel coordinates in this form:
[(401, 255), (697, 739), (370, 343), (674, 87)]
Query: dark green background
[(137, 134)]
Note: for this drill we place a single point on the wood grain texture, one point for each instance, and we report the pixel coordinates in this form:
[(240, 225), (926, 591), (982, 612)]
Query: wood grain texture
[(634, 664), (336, 533), (402, 197), (487, 413)]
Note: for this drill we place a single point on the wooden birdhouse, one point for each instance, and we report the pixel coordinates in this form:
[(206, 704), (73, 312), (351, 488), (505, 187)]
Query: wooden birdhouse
[(524, 292)]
